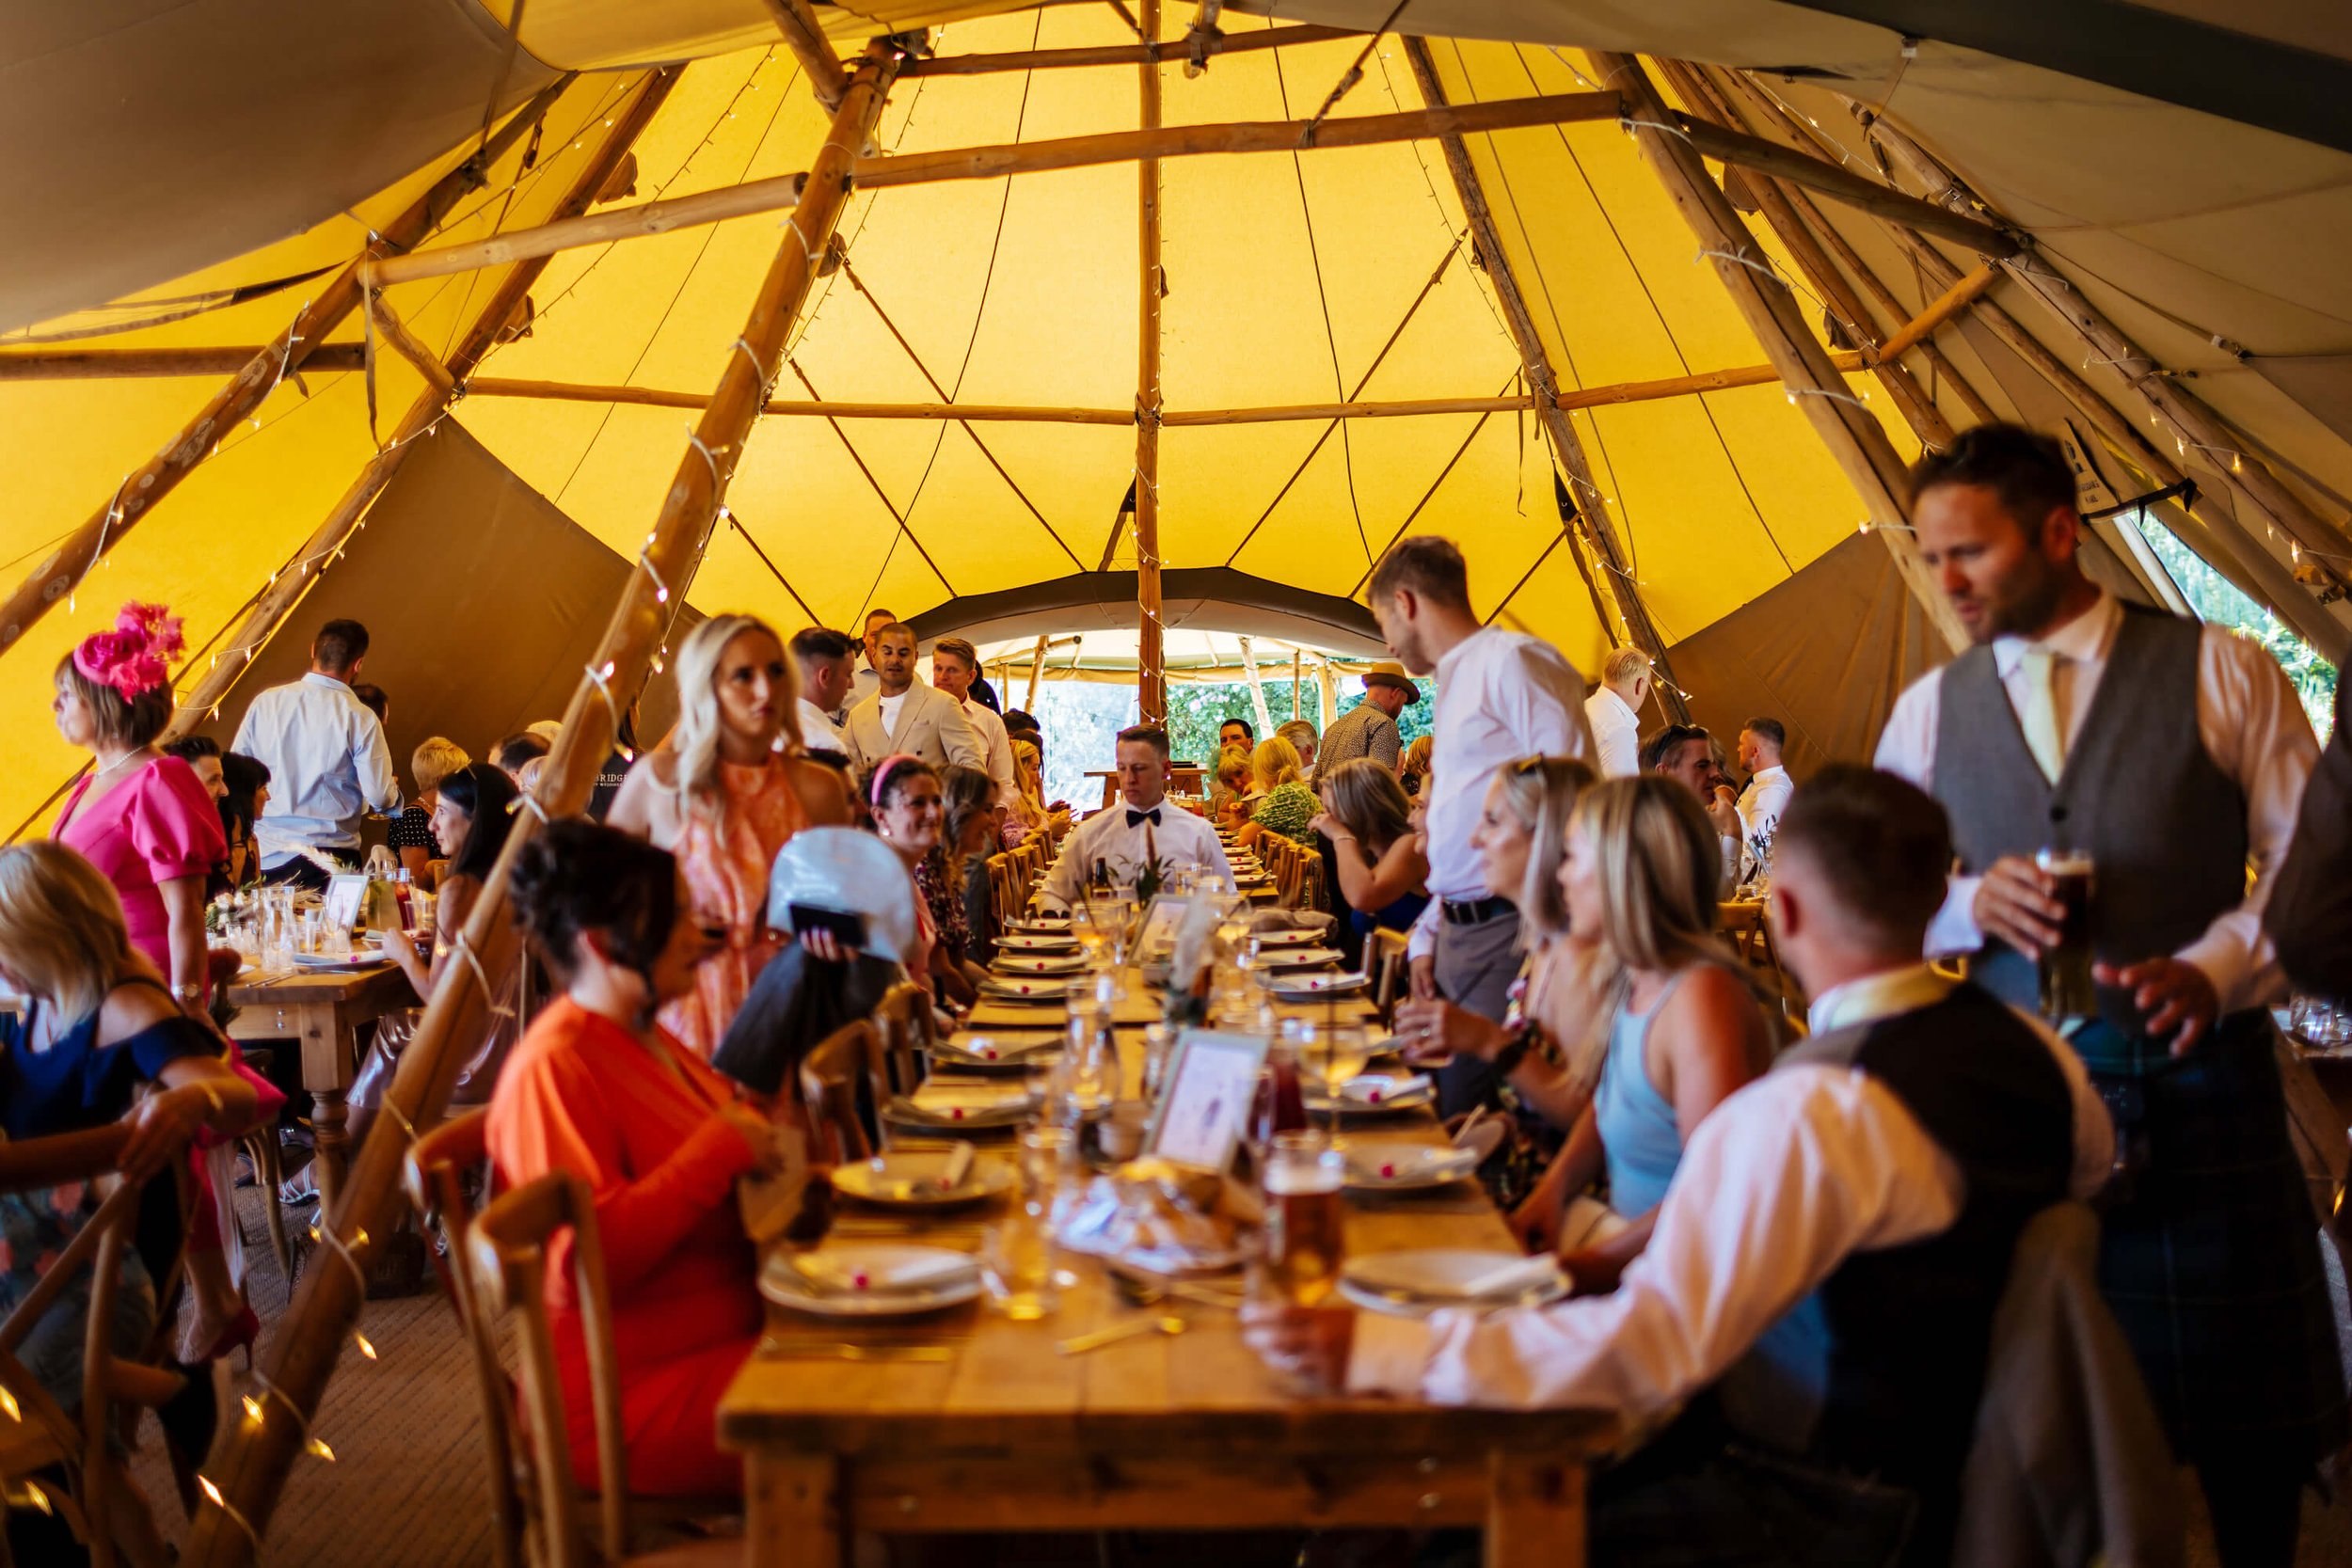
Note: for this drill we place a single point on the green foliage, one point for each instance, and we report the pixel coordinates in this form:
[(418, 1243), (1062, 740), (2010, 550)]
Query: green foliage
[(1194, 710), (2216, 599)]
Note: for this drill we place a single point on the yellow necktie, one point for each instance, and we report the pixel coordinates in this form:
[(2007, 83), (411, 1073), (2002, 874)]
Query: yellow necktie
[(2038, 718)]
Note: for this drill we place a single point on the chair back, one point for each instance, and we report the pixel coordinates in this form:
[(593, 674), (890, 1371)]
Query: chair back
[(507, 1251), (438, 1164), (1390, 966), (829, 1076), (904, 1019)]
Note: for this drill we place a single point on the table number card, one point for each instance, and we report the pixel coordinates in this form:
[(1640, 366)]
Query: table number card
[(1212, 1083)]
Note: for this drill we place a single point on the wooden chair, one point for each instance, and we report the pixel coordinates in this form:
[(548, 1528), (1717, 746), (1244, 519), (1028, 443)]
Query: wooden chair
[(440, 1164), (829, 1076), (100, 1491), (1310, 879), (1389, 969), (905, 1021), (506, 1254)]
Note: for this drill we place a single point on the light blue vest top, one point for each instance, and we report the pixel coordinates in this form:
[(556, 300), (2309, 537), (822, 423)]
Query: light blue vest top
[(1636, 1124)]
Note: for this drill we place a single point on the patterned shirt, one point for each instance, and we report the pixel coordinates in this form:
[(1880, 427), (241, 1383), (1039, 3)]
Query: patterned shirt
[(1362, 731), (1287, 810)]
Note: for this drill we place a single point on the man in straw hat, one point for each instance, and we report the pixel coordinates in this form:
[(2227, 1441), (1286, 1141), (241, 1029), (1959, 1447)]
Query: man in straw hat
[(1369, 728)]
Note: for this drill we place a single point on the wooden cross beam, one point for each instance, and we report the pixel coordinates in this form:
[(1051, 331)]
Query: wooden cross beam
[(806, 36), (90, 364), (1119, 54)]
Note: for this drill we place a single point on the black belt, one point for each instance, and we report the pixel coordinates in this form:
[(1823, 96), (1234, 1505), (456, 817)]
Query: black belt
[(1475, 913)]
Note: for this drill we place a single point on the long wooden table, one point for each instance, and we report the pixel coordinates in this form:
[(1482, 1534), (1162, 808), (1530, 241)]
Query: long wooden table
[(996, 1432), (323, 1010)]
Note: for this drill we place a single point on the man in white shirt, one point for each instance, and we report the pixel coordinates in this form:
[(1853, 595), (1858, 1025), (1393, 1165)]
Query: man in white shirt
[(1878, 1177), (1615, 712), (2173, 756), (867, 679), (1501, 696), (825, 658), (328, 764), (955, 665), (1139, 831), (1768, 789), (904, 715)]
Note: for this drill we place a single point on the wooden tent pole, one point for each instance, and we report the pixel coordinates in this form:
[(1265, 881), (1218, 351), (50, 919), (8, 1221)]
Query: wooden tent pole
[(249, 1467), (2189, 419), (1951, 303), (1037, 671), (1150, 658), (326, 541), (1611, 586), (1846, 425), (1296, 671), (1834, 181), (135, 498), (2221, 535), (806, 36), (91, 364), (1121, 54), (1773, 200)]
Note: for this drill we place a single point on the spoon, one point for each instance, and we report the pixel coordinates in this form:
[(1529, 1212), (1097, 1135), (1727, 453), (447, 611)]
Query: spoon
[(1132, 1329)]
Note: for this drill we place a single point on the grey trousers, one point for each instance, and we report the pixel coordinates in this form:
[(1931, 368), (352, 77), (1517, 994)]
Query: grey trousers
[(1476, 965)]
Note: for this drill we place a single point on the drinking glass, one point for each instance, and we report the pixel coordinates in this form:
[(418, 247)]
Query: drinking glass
[(1159, 1048), (2064, 968), (1333, 1053), (1093, 1062), (1017, 1263), (1092, 931), (1305, 1229)]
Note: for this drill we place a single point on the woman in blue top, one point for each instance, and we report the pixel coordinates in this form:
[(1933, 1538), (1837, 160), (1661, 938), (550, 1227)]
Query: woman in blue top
[(1641, 868), (97, 1028)]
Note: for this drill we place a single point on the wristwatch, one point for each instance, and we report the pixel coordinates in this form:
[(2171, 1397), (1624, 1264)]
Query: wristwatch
[(191, 994)]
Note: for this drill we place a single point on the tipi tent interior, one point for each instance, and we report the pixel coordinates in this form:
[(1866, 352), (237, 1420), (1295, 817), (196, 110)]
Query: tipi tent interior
[(510, 330)]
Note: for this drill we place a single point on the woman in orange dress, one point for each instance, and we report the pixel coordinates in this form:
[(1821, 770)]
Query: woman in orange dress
[(724, 792), (599, 1090)]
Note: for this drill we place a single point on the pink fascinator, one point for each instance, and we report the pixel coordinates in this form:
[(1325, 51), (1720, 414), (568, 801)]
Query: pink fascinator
[(135, 655)]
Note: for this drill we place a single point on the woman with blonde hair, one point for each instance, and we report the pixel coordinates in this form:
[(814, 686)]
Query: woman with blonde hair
[(1545, 1056), (1288, 805), (411, 837), (1413, 771), (1685, 1032), (97, 1028), (1026, 812), (724, 793), (1228, 783), (1380, 863)]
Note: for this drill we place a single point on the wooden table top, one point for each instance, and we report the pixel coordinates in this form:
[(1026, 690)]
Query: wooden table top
[(1003, 1386), (303, 987)]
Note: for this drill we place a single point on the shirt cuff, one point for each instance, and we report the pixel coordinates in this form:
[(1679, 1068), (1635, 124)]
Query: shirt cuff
[(1389, 1356), (2226, 963), (1954, 928)]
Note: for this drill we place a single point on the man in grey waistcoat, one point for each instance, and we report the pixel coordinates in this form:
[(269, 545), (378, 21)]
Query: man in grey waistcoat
[(2175, 756)]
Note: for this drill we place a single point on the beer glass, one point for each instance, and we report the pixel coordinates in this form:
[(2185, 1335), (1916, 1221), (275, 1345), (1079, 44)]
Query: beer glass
[(1305, 1239), (2066, 987)]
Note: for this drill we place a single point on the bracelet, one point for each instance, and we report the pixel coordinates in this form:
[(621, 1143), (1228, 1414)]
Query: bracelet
[(1507, 1060)]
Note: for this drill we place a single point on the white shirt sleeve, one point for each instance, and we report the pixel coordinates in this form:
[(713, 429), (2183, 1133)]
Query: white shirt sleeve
[(1423, 938), (372, 759), (958, 739), (1907, 750), (1069, 869), (2256, 732), (1544, 705), (1786, 1179)]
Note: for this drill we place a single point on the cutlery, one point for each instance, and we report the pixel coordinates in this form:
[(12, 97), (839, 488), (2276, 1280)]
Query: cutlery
[(771, 1349), (1133, 1328)]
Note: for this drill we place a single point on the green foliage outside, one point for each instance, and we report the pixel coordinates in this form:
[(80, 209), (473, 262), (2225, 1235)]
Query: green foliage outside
[(1194, 710), (2216, 599)]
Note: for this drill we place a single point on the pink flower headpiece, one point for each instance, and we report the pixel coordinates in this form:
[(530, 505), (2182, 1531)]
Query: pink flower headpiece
[(135, 656)]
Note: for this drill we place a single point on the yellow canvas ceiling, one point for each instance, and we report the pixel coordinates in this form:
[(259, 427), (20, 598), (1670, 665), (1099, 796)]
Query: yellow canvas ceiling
[(1312, 276)]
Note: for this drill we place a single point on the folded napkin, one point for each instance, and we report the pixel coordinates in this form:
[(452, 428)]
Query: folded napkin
[(1509, 1277), (836, 1276), (1394, 1164)]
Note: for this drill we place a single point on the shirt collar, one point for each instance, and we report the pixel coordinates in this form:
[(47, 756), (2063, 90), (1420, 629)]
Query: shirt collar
[(1775, 771), (1447, 660), (1623, 707), (2084, 640), (1871, 997), (314, 678)]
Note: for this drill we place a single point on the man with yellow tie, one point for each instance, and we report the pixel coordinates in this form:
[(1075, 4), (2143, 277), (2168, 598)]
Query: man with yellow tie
[(2173, 756)]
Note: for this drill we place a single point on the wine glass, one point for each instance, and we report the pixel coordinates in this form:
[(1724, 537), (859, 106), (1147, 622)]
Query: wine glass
[(1332, 1053), (1093, 935)]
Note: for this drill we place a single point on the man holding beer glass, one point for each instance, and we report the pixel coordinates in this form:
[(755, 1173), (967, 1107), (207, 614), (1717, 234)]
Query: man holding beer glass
[(2111, 772)]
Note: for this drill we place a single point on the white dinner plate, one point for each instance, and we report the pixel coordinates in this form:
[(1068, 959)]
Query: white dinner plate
[(1415, 1284), (1037, 941), (1042, 963), (914, 1179), (1296, 986), (1376, 1094), (870, 1280), (1395, 1165)]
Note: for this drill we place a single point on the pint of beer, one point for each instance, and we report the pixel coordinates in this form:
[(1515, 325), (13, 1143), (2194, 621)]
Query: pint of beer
[(1304, 1227), (2067, 991)]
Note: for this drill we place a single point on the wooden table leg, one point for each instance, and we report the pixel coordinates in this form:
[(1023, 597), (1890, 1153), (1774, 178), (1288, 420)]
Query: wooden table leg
[(327, 1068), (794, 1515), (1535, 1513)]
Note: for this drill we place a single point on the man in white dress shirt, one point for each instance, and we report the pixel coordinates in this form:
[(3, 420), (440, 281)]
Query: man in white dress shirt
[(2174, 755), (825, 658), (1768, 788), (1140, 830), (328, 764), (904, 715), (1501, 696), (955, 665), (1878, 1175), (1615, 712)]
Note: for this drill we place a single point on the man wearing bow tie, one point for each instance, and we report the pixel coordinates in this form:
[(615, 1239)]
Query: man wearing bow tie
[(1138, 830)]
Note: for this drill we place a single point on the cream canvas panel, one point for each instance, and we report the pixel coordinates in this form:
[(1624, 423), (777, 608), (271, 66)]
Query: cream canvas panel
[(243, 515)]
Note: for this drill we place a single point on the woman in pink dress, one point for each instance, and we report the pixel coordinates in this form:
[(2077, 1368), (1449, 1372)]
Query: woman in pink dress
[(724, 793), (148, 825)]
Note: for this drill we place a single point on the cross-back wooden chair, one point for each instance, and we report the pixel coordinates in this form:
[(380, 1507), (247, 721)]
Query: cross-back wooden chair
[(507, 1252), (1389, 967), (102, 1504), (1308, 882), (905, 1021), (829, 1076)]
